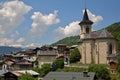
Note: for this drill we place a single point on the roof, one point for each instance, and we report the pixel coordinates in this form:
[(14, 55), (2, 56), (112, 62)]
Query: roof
[(24, 62), (3, 72), (19, 73), (69, 76), (9, 62), (99, 34), (47, 53), (85, 19)]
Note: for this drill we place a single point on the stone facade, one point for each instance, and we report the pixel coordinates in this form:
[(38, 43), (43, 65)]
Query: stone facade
[(95, 46), (96, 51), (47, 55)]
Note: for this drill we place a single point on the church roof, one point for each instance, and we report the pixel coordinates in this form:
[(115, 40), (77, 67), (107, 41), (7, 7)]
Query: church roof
[(85, 19), (99, 34)]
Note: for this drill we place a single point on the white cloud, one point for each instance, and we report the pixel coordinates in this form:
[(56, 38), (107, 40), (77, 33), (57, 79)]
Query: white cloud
[(42, 22), (17, 43), (33, 45), (70, 30), (9, 42), (11, 15), (93, 17), (20, 40), (6, 41)]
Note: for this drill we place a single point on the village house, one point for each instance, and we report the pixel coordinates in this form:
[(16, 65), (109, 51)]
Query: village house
[(46, 55), (64, 51)]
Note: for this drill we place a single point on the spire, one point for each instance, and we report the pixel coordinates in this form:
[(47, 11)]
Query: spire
[(85, 19)]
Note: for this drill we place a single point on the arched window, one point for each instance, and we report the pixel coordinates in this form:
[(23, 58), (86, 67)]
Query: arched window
[(110, 48), (87, 30)]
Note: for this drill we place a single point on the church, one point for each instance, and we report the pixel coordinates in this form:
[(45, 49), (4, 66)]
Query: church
[(96, 47)]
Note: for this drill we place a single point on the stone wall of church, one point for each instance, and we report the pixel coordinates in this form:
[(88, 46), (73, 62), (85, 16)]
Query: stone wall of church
[(96, 51), (85, 50), (102, 52), (88, 52)]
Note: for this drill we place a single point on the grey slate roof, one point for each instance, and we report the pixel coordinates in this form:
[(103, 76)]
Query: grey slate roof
[(68, 76), (99, 34)]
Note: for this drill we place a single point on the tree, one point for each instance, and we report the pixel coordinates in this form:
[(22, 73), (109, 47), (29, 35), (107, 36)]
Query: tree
[(53, 67), (45, 69), (37, 69), (59, 62), (26, 77), (75, 56), (101, 71), (118, 64)]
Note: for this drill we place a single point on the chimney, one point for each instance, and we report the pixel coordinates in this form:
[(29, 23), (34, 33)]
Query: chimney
[(85, 74)]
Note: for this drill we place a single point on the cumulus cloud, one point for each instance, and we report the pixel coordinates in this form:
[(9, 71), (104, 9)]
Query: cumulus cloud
[(93, 17), (11, 15), (71, 29), (42, 22)]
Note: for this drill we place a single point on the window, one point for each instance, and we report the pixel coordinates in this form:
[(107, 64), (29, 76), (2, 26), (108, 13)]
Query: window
[(110, 48), (87, 30)]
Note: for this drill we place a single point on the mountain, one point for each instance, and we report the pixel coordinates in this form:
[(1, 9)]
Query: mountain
[(72, 40), (114, 29), (7, 49)]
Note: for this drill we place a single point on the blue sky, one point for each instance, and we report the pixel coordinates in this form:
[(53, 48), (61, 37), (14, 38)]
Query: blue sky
[(31, 23)]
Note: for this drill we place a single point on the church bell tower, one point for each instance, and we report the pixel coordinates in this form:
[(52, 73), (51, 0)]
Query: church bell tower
[(85, 25)]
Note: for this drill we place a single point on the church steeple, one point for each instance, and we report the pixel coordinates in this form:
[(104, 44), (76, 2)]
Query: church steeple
[(85, 19), (85, 25)]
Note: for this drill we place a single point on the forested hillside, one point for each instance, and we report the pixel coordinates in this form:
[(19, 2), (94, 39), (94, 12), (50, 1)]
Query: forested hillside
[(73, 40)]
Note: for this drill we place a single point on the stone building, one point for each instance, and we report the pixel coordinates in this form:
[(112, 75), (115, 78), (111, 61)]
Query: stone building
[(97, 47), (46, 55)]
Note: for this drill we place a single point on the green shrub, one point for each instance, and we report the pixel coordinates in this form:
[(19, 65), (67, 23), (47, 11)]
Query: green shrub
[(59, 63), (101, 71), (75, 56)]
